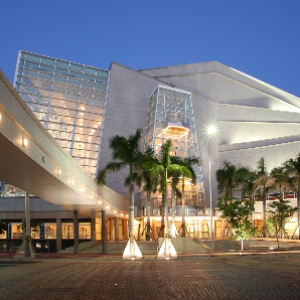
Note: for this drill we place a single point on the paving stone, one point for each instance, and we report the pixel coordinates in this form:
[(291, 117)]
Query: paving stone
[(109, 277)]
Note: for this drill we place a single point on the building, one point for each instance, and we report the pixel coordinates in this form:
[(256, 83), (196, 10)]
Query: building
[(82, 107)]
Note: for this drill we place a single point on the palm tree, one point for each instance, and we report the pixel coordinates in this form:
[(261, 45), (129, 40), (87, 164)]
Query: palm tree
[(126, 151), (230, 177), (281, 179), (174, 194), (264, 184), (186, 171), (293, 166), (150, 182), (164, 166), (249, 186)]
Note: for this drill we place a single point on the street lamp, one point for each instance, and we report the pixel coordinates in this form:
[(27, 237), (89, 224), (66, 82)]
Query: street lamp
[(211, 130)]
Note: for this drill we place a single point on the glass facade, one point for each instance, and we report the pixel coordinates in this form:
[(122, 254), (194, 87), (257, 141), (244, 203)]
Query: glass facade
[(68, 99), (170, 117)]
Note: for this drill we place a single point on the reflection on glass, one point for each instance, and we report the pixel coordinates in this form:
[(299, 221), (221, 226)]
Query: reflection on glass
[(73, 96)]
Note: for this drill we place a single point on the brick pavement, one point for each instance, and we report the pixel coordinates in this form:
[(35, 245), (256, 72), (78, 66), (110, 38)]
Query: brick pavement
[(108, 277)]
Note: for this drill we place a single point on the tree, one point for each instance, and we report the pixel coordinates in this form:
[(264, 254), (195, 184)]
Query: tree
[(174, 193), (186, 171), (293, 167), (150, 182), (230, 177), (126, 152), (238, 215), (264, 184), (281, 179), (278, 214), (163, 166), (249, 185)]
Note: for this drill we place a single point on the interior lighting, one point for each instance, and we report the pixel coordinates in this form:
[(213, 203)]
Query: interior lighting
[(99, 202), (59, 172), (71, 181), (108, 207), (24, 142), (0, 117)]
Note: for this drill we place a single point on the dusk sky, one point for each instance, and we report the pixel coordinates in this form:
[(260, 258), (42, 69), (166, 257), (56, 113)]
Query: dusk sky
[(258, 37)]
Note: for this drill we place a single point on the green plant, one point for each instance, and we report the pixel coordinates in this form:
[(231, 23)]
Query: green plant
[(279, 212), (238, 215)]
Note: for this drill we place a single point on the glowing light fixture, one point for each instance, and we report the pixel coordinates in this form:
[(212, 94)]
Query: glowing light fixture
[(99, 202), (211, 130), (24, 142), (58, 172)]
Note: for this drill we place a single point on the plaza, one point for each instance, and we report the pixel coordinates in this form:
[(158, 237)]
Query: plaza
[(273, 276)]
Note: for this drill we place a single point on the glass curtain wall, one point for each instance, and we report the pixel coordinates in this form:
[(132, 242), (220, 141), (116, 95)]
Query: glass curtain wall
[(68, 99), (170, 117)]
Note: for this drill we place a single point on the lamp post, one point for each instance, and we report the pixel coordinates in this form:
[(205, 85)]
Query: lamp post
[(210, 131)]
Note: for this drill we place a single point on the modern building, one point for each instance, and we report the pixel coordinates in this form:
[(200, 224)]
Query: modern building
[(82, 107)]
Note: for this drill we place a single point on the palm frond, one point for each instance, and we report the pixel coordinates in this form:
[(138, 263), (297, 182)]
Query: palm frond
[(110, 167)]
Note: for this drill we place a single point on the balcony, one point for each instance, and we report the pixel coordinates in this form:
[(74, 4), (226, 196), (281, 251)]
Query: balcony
[(176, 127)]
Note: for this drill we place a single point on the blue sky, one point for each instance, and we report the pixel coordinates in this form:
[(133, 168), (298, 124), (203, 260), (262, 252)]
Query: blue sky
[(258, 37)]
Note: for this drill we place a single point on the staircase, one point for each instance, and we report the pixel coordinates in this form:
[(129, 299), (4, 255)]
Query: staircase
[(187, 245), (147, 248), (221, 246)]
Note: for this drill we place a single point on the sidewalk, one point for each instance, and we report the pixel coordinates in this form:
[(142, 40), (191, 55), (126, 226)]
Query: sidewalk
[(45, 257)]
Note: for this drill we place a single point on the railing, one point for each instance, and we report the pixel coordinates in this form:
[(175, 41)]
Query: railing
[(175, 120)]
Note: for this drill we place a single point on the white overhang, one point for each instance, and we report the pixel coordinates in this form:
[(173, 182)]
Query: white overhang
[(33, 161)]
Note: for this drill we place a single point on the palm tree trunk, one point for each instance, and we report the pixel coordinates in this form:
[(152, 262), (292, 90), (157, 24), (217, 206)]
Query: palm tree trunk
[(173, 226), (162, 213), (183, 210), (166, 206), (148, 216), (131, 212), (264, 212)]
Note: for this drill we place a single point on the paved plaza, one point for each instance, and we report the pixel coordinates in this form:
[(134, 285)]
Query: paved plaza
[(195, 277)]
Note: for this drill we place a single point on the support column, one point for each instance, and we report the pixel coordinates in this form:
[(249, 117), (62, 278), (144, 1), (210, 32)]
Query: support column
[(153, 229), (117, 234), (111, 229), (58, 235), (125, 229), (76, 231), (103, 231), (93, 230), (27, 219)]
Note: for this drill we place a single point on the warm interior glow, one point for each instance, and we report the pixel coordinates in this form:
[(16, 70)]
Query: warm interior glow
[(176, 131), (59, 172)]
